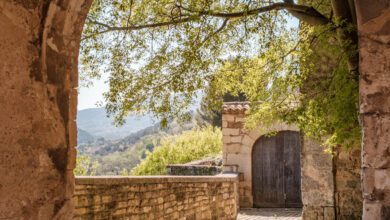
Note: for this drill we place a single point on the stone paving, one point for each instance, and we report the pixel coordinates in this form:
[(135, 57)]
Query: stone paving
[(270, 214)]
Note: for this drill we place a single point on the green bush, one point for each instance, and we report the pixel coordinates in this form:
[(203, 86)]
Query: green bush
[(188, 146), (85, 166)]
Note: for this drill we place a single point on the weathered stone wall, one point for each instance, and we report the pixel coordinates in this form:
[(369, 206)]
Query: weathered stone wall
[(374, 65), (155, 197), (348, 192), (237, 150), (192, 170), (38, 76), (317, 182)]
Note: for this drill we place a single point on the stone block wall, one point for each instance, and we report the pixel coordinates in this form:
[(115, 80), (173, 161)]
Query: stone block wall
[(237, 151), (348, 192), (156, 197), (39, 48), (373, 18), (317, 182), (331, 186), (192, 170)]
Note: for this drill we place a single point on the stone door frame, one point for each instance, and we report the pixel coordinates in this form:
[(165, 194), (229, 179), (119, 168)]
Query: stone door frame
[(317, 180)]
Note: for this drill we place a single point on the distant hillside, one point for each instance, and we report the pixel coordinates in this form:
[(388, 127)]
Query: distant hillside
[(84, 136), (115, 156), (96, 123), (173, 128), (118, 150), (104, 147)]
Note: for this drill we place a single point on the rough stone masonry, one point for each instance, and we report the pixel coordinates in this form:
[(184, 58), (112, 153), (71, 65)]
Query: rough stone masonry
[(374, 51), (157, 197)]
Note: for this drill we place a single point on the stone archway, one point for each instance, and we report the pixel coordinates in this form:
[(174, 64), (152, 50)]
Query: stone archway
[(38, 75), (39, 53)]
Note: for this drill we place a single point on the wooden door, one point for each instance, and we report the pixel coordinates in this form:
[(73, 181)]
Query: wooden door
[(292, 169), (276, 174)]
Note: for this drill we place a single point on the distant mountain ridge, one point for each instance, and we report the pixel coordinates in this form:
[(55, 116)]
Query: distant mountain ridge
[(115, 156), (95, 122), (84, 136)]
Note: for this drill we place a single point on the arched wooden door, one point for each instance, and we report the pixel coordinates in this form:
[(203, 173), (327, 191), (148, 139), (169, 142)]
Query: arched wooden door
[(276, 171)]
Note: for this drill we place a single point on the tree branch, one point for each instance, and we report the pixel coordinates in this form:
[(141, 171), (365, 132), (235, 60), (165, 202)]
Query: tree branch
[(109, 28), (316, 18), (305, 13), (216, 32), (145, 26)]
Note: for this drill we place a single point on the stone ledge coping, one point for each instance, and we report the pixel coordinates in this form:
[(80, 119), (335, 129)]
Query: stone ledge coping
[(189, 165), (109, 180), (235, 107)]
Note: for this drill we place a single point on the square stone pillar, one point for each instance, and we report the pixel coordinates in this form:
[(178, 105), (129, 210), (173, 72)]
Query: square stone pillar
[(374, 87)]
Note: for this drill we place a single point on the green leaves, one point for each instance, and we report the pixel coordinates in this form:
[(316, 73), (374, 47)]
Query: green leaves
[(160, 54), (160, 69), (85, 166), (304, 82), (183, 148)]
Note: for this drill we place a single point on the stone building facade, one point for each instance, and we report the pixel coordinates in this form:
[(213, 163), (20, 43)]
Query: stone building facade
[(330, 185)]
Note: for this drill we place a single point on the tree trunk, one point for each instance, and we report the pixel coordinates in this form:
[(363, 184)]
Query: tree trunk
[(343, 11)]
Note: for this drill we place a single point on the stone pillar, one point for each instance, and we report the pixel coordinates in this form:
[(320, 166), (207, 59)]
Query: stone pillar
[(38, 79), (237, 149), (374, 50)]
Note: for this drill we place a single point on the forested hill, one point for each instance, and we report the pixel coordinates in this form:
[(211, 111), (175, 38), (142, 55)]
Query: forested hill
[(117, 156), (95, 122), (84, 136)]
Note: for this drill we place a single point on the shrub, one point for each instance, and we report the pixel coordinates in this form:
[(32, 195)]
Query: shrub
[(185, 147)]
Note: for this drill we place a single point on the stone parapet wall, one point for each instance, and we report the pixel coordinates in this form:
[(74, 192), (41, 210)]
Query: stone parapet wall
[(156, 197)]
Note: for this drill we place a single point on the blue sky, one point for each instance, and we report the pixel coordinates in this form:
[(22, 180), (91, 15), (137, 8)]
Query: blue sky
[(89, 97)]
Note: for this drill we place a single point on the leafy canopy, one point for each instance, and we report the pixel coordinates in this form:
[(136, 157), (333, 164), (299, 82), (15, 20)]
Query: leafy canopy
[(160, 69), (160, 53)]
